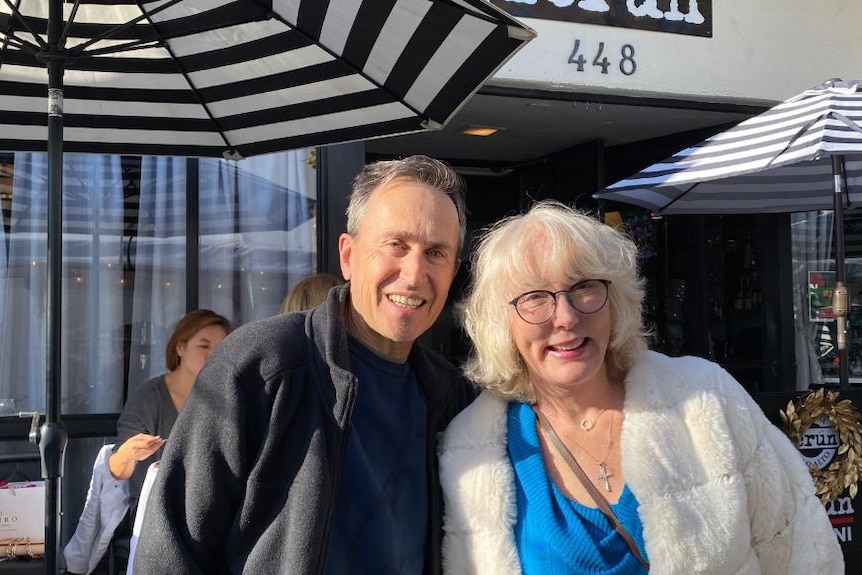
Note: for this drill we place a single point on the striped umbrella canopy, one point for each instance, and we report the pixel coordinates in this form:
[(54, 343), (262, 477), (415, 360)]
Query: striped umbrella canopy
[(229, 78), (803, 154), (778, 161), (242, 77)]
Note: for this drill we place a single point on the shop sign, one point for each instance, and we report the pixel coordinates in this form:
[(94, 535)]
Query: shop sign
[(819, 443), (692, 17), (827, 433), (841, 515)]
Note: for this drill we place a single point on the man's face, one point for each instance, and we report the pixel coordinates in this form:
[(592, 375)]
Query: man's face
[(400, 264)]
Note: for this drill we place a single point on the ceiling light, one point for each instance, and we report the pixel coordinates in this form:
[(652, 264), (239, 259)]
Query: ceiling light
[(479, 131), (482, 171)]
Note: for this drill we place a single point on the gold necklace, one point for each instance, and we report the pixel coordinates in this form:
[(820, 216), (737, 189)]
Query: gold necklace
[(604, 475), (587, 424)]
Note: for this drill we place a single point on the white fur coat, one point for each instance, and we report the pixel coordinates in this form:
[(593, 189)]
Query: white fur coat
[(721, 489)]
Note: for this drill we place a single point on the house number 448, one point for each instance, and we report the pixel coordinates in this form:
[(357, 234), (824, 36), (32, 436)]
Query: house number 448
[(626, 63)]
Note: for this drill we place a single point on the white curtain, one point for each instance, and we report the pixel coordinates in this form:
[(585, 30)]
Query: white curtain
[(91, 367), (249, 261), (158, 257), (811, 239), (257, 237)]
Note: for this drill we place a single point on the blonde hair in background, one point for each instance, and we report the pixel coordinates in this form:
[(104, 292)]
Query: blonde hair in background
[(505, 264), (309, 292)]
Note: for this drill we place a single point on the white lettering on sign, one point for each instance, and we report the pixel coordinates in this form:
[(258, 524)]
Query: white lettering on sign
[(637, 8), (841, 506), (650, 8), (594, 5), (843, 533), (840, 514)]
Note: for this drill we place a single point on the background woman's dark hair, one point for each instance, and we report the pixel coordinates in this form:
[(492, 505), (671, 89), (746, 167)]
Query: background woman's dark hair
[(187, 327)]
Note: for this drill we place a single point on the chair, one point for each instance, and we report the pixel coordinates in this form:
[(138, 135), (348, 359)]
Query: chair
[(119, 549), (101, 526), (149, 480)]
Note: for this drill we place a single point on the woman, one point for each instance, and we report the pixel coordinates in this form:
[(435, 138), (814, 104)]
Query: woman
[(699, 480), (150, 412)]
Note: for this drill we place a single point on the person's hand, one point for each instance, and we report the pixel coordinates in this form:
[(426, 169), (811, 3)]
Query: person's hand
[(136, 448), (140, 446)]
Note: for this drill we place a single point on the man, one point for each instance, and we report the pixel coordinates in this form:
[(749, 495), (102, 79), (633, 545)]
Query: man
[(309, 442)]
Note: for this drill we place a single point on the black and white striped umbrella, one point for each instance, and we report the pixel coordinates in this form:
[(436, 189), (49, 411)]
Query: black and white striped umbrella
[(230, 78), (245, 77), (778, 161), (803, 154)]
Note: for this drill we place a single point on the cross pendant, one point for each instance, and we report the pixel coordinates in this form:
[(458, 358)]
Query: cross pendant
[(604, 476)]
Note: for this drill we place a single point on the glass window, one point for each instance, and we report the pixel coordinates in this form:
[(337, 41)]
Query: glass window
[(125, 270), (813, 284)]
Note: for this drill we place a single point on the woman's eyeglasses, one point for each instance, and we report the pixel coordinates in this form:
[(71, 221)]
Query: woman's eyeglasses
[(538, 306)]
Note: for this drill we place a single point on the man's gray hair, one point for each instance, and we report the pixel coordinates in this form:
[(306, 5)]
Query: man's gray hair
[(420, 169)]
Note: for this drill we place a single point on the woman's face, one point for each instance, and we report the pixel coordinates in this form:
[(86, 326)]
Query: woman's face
[(566, 351), (194, 353)]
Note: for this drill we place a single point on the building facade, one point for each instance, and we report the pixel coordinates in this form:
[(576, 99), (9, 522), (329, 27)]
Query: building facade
[(606, 88)]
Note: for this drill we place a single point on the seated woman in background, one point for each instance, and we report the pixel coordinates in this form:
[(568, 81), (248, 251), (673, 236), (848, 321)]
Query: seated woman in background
[(309, 292), (150, 412), (587, 453)]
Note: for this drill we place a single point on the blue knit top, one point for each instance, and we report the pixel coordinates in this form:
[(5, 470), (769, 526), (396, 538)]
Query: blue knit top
[(556, 535)]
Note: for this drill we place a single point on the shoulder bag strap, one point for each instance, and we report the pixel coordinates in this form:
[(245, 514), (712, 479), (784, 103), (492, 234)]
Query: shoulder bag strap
[(588, 485)]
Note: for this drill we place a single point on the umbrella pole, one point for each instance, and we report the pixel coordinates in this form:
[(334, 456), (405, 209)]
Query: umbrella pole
[(840, 300), (52, 435)]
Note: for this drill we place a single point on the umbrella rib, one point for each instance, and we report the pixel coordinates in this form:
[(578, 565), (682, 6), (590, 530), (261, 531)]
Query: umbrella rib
[(24, 46), (795, 137), (194, 90), (847, 121), (65, 34), (16, 13), (677, 198), (140, 44), (79, 49), (362, 73)]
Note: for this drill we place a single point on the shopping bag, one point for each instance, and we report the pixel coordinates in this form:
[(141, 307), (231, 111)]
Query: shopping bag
[(22, 511)]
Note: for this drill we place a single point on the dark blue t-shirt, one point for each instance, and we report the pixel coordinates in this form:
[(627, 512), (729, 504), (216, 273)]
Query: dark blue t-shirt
[(381, 513)]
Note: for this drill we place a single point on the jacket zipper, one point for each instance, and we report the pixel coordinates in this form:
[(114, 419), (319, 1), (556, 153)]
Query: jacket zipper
[(342, 446)]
